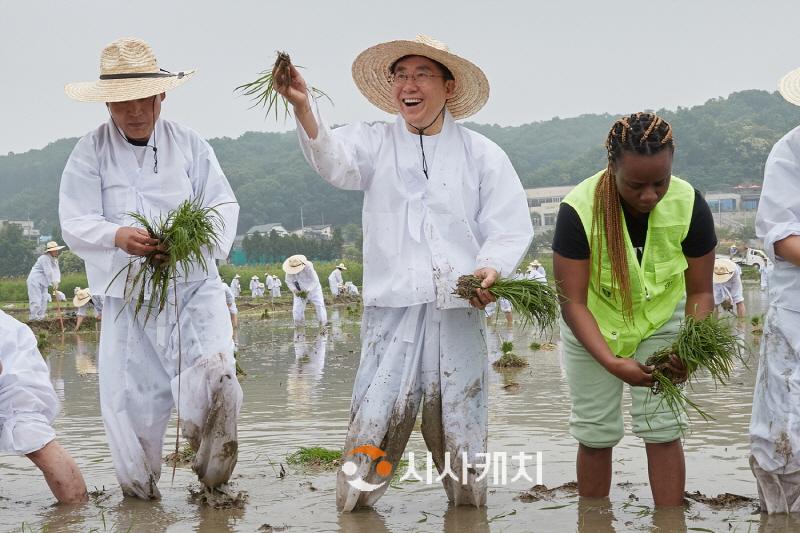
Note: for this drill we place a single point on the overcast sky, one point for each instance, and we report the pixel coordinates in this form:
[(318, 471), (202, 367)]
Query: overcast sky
[(543, 58)]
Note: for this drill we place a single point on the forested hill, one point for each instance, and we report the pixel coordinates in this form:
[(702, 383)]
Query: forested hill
[(722, 142)]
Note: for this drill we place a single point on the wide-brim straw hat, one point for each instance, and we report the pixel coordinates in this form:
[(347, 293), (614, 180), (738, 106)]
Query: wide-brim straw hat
[(371, 74), (724, 269), (128, 71), (341, 266), (789, 87), (52, 246), (260, 285), (294, 264), (254, 277), (237, 276), (535, 263), (81, 298)]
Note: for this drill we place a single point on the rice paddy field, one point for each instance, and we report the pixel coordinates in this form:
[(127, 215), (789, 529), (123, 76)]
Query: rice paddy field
[(293, 422)]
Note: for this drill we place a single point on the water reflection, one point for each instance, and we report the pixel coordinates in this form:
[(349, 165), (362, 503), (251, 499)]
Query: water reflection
[(297, 393)]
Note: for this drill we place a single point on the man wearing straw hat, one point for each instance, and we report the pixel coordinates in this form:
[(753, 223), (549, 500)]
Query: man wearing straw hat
[(335, 280), (139, 162), (254, 286), (236, 286), (728, 286), (303, 281), (45, 273), (774, 435), (440, 201)]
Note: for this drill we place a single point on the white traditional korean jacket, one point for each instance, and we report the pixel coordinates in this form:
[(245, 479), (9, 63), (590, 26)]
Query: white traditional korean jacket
[(45, 271), (103, 181), (420, 235), (307, 280)]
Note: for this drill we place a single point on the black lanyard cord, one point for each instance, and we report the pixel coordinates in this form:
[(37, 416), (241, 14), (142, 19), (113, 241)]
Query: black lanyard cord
[(420, 131)]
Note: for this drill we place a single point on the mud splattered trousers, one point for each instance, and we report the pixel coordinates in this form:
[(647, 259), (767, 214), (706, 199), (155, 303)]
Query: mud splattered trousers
[(775, 422), (139, 386), (412, 356)]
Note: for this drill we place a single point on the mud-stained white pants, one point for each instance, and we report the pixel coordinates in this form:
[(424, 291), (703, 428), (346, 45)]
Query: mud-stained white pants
[(139, 386), (411, 356), (299, 308), (37, 301)]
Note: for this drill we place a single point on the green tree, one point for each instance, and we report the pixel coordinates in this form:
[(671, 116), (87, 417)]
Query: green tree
[(16, 252)]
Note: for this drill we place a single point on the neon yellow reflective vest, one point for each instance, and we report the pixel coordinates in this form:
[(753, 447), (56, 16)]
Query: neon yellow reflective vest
[(657, 285)]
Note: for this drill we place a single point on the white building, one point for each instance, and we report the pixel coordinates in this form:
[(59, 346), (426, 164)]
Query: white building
[(543, 203)]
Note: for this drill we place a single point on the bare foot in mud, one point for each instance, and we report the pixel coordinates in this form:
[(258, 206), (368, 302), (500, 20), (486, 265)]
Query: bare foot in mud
[(223, 497)]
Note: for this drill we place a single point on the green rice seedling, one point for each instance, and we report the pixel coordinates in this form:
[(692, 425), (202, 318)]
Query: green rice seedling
[(536, 302), (536, 345), (506, 346), (509, 359), (262, 89), (315, 457), (303, 295), (706, 344), (186, 234)]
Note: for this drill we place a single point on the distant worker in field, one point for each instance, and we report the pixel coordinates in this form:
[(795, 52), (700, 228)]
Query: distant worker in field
[(733, 251), (335, 280), (536, 267), (254, 287), (302, 280), (28, 406), (274, 286), (350, 288), (440, 201), (138, 162), (728, 287), (774, 434), (45, 273), (82, 301), (236, 286)]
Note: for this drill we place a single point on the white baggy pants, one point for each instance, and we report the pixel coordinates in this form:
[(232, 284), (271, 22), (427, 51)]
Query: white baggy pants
[(37, 300), (411, 356), (299, 308), (139, 386)]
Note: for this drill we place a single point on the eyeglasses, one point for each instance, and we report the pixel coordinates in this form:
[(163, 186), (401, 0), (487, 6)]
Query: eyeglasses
[(420, 78)]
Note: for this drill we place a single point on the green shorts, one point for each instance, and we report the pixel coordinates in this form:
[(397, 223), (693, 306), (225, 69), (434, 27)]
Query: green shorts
[(596, 417)]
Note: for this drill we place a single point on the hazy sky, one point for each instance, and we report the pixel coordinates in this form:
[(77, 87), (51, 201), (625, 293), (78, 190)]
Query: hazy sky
[(542, 58)]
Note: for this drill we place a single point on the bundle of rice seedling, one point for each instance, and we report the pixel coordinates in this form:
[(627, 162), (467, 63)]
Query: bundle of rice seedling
[(303, 295), (186, 234), (262, 89), (536, 302), (706, 344), (509, 359)]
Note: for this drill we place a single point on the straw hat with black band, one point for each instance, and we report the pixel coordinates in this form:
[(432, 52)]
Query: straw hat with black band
[(128, 71), (372, 71), (82, 297), (294, 264)]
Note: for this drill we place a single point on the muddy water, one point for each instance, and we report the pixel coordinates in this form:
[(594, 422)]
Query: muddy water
[(297, 393)]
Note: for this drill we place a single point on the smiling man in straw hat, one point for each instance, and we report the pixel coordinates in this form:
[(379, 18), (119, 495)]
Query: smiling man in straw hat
[(440, 201), (139, 162), (45, 273), (303, 281), (774, 435)]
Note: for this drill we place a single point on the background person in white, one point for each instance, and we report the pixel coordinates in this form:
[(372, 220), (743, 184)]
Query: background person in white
[(728, 286), (335, 280), (45, 273), (440, 201), (301, 277), (139, 162)]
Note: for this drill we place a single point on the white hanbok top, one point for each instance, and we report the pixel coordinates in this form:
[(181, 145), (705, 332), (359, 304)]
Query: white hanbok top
[(421, 234), (236, 287), (335, 279), (774, 433), (45, 271), (305, 280), (103, 181)]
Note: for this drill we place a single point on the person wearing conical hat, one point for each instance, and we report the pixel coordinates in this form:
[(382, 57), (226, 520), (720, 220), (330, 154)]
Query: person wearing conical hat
[(774, 435), (440, 201), (728, 287), (335, 280), (254, 286), (303, 281), (236, 286), (44, 273), (28, 406), (139, 162)]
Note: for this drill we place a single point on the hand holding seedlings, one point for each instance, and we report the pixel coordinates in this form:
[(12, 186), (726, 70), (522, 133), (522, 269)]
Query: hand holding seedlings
[(632, 372), (482, 297), (135, 241), (291, 85)]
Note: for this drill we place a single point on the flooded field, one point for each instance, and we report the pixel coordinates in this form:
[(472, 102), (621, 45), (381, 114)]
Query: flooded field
[(297, 394)]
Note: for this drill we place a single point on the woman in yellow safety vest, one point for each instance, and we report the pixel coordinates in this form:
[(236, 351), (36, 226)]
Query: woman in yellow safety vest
[(633, 250)]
